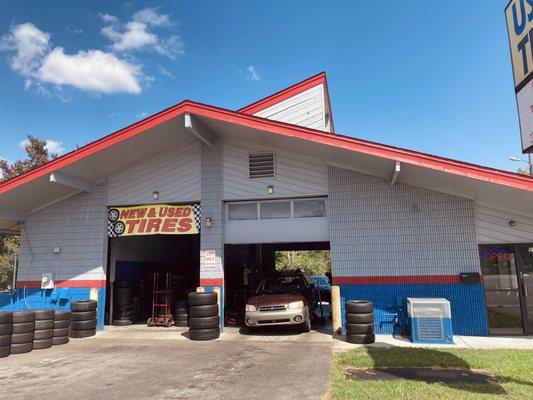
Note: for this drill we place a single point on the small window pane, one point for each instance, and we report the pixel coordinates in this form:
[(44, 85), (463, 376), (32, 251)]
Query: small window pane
[(309, 208), (278, 209), (244, 211)]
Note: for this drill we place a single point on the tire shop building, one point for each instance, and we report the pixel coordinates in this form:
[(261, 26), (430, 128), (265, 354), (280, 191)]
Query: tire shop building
[(206, 193)]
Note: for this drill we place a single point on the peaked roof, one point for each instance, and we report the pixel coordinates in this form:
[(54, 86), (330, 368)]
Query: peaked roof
[(244, 118)]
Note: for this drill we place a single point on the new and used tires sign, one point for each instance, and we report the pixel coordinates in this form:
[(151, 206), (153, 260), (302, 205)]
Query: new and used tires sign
[(162, 219)]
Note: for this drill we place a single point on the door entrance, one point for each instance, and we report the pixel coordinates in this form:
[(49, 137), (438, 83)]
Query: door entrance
[(508, 279)]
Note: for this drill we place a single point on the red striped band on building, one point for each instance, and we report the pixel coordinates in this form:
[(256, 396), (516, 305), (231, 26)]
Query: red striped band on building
[(63, 284), (397, 280), (212, 282)]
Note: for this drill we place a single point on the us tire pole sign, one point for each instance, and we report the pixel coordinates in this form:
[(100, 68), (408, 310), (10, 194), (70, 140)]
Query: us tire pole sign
[(519, 16)]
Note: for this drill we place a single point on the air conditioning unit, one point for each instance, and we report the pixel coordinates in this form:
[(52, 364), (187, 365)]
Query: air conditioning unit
[(430, 320)]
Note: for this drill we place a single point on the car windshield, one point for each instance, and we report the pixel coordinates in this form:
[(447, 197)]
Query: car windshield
[(320, 280), (281, 284)]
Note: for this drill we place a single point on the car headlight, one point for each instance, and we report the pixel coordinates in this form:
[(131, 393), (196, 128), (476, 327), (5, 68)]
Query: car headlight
[(295, 304), (250, 307)]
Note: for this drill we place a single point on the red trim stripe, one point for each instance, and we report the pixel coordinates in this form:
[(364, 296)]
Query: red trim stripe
[(63, 284), (395, 280), (212, 282), (284, 94), (342, 142)]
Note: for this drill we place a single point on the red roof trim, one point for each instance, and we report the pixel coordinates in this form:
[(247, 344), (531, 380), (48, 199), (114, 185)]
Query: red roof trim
[(343, 142), (284, 94)]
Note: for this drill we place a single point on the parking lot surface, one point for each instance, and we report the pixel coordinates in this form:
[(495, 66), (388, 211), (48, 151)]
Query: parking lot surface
[(119, 364)]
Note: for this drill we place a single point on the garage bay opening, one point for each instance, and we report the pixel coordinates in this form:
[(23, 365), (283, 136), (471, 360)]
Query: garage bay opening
[(155, 247)]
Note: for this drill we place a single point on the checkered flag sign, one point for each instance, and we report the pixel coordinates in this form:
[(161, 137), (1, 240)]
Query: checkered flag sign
[(197, 209)]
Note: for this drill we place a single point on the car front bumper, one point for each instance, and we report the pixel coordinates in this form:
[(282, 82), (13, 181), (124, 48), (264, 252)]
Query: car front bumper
[(296, 316)]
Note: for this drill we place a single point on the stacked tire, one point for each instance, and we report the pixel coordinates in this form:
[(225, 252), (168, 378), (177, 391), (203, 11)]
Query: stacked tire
[(6, 328), (181, 313), (44, 329), (83, 323), (22, 334), (123, 310), (360, 322), (204, 321), (61, 327)]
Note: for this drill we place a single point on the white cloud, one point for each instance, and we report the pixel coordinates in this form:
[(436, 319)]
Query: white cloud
[(252, 74), (141, 114), (29, 43), (108, 18), (136, 35), (92, 70), (165, 72), (53, 146)]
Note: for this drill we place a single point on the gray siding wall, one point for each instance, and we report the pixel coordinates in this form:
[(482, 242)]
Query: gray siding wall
[(376, 231), (492, 224), (174, 174), (211, 238), (77, 225), (296, 175), (304, 109)]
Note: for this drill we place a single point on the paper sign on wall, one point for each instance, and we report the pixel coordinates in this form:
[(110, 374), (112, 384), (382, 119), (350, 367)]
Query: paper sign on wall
[(210, 260)]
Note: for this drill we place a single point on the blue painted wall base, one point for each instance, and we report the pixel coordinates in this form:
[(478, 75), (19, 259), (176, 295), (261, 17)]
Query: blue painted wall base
[(469, 314)]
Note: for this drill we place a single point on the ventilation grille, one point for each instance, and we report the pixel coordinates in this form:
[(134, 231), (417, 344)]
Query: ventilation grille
[(430, 328), (261, 165)]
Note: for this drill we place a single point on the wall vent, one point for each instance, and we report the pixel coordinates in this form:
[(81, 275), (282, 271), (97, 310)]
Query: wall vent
[(262, 165)]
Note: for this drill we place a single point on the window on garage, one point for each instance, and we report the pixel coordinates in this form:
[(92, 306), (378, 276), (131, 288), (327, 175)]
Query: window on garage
[(276, 209)]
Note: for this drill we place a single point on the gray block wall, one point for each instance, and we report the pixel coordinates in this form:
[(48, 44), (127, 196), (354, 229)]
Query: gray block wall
[(211, 201), (77, 226), (401, 230)]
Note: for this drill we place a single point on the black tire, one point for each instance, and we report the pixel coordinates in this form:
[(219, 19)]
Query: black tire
[(181, 323), (360, 318), (6, 318), (359, 307), (182, 304), (60, 340), (82, 333), (61, 332), (62, 315), (23, 327), (83, 316), (84, 305), (181, 317), (44, 334), (204, 323), (43, 344), (62, 324), (121, 322), (5, 340), (23, 316), (6, 329), (202, 299), (359, 328), (5, 351), (361, 338), (18, 338), (181, 310), (204, 334), (83, 325), (204, 311), (44, 314), (44, 324), (306, 326), (21, 348)]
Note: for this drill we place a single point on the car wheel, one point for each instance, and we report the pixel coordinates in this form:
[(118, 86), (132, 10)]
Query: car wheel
[(306, 327), (119, 228), (113, 214)]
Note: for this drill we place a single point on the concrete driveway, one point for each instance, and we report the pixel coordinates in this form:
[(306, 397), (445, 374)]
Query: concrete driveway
[(162, 364)]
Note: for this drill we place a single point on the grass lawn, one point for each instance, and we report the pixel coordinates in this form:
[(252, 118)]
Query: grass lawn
[(513, 369)]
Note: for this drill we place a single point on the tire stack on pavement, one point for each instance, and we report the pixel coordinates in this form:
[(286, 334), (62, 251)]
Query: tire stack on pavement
[(23, 328), (123, 310), (6, 327), (360, 322), (181, 313), (61, 327), (204, 321), (44, 329), (83, 323)]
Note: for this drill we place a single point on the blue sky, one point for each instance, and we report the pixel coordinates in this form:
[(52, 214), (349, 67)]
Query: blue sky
[(429, 76)]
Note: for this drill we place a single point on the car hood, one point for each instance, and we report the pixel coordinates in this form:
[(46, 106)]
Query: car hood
[(275, 299)]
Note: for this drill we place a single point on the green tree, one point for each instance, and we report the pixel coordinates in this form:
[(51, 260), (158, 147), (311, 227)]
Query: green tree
[(37, 155), (523, 171), (314, 262)]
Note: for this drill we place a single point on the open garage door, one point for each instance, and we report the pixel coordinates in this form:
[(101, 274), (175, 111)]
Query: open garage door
[(276, 221)]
